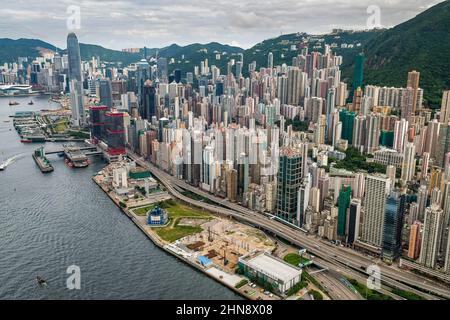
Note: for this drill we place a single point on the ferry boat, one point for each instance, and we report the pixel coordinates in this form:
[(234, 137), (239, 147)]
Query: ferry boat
[(75, 158)]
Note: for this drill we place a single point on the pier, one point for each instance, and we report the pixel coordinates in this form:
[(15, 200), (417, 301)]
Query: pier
[(75, 157)]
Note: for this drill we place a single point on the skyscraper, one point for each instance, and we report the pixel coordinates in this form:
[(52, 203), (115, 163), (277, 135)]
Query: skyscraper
[(422, 197), (77, 103), (372, 133), (445, 107), (106, 93), (393, 225), (400, 129), (358, 76), (75, 80), (162, 70), (147, 105), (303, 199), (415, 240), (289, 181), (74, 58), (354, 220), (431, 236), (142, 75), (409, 162), (343, 204), (347, 118), (377, 187), (413, 82), (270, 60)]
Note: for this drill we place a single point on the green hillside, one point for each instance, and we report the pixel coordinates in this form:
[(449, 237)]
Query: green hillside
[(11, 49), (423, 44)]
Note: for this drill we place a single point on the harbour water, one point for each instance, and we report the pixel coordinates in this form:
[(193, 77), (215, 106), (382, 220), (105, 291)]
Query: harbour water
[(49, 222)]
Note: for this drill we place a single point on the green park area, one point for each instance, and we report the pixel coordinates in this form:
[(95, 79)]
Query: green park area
[(294, 259), (60, 126), (355, 161), (176, 211)]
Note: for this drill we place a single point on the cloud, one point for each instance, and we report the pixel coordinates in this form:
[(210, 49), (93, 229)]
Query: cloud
[(157, 23)]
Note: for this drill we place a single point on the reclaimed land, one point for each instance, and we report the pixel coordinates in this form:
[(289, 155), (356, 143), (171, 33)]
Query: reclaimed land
[(159, 243)]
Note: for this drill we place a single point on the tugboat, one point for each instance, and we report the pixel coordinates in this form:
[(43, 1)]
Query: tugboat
[(41, 281), (31, 102)]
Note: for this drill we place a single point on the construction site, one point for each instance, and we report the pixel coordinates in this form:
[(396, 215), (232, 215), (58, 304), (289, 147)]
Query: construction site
[(223, 241)]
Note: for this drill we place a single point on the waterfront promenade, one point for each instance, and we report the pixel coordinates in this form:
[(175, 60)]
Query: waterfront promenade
[(224, 278)]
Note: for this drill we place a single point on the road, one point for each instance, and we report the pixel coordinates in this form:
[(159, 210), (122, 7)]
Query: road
[(341, 260), (336, 289)]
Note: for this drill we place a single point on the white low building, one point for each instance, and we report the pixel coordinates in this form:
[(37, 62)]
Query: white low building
[(279, 274)]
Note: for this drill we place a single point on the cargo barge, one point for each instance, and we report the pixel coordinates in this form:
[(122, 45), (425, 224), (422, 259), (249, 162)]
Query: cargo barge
[(42, 161)]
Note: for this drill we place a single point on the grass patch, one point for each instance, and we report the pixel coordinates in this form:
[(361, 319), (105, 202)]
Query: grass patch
[(294, 259), (367, 293), (296, 288), (175, 232), (197, 197), (142, 211), (176, 212), (79, 134), (316, 294), (407, 294), (60, 126), (241, 283)]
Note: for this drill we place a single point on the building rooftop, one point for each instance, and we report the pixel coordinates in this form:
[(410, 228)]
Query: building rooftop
[(274, 267)]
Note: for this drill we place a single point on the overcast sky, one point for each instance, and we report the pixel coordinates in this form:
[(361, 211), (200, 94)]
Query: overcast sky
[(120, 24)]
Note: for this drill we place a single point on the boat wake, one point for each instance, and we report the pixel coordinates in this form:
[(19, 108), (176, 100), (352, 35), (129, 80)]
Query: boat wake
[(10, 161)]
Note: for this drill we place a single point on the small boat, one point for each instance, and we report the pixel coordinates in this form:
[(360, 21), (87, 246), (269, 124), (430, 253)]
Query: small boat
[(2, 167), (13, 103), (6, 120), (31, 102), (41, 281), (26, 140)]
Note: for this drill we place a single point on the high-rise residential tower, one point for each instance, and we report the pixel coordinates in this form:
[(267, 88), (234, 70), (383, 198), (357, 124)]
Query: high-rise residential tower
[(413, 82), (377, 188), (431, 236)]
